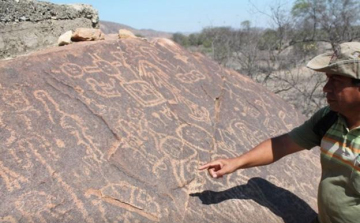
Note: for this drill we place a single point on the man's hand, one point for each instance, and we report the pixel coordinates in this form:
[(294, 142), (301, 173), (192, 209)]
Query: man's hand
[(220, 167)]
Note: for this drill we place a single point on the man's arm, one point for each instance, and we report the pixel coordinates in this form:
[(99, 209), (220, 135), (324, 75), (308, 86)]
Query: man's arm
[(265, 153)]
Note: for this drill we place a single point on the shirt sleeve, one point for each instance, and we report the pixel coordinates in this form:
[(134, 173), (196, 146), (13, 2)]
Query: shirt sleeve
[(304, 135)]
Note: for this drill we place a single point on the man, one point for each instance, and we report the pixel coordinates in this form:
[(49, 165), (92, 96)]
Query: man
[(339, 188)]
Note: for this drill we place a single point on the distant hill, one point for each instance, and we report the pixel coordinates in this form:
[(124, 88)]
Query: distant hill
[(113, 27)]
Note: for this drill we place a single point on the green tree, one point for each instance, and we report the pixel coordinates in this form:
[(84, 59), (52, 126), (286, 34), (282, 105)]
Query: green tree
[(181, 39), (194, 39), (332, 21)]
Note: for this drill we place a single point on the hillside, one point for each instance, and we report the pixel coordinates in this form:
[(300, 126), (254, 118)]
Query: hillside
[(112, 27)]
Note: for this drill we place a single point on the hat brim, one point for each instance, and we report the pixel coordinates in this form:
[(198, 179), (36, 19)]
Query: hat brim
[(320, 63), (348, 68)]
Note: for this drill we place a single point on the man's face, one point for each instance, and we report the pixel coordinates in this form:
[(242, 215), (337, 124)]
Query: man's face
[(342, 96)]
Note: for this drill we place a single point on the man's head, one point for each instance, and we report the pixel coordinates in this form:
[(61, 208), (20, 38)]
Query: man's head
[(343, 71)]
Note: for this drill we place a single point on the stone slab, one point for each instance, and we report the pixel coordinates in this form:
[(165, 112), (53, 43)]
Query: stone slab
[(114, 131)]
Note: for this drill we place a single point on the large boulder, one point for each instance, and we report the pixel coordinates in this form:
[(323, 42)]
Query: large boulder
[(29, 25), (114, 131)]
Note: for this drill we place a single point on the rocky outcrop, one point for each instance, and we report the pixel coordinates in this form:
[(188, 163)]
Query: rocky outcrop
[(28, 25), (114, 131), (123, 34), (86, 34), (65, 39)]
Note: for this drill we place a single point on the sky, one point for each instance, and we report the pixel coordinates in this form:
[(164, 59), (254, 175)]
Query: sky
[(186, 16)]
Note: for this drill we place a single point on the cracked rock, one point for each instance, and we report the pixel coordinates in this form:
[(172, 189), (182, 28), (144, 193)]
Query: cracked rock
[(115, 130)]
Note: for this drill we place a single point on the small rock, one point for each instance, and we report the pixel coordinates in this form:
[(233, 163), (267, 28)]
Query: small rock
[(124, 34), (87, 34), (65, 38)]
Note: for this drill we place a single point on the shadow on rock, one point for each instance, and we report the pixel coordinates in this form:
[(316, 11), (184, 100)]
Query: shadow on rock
[(281, 202)]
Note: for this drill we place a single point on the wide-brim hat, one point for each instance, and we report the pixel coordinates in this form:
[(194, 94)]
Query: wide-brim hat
[(344, 61)]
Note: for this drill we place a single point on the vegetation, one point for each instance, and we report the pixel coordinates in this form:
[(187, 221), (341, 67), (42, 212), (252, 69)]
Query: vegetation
[(276, 57)]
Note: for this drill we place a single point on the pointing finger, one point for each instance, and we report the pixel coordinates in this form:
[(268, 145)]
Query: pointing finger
[(206, 166), (214, 164)]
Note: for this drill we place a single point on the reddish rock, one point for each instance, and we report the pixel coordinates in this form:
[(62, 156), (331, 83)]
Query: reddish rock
[(114, 131), (124, 34), (87, 34)]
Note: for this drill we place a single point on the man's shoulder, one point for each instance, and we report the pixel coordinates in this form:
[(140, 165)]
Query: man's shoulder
[(304, 135), (326, 119)]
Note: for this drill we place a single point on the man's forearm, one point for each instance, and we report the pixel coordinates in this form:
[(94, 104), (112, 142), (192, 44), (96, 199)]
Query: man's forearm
[(258, 156), (267, 152)]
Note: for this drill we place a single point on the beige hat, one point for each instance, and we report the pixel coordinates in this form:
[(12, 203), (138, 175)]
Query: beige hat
[(345, 61)]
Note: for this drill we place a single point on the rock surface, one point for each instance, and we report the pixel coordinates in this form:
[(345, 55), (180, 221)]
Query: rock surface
[(87, 34), (65, 39), (28, 25), (114, 131), (123, 34)]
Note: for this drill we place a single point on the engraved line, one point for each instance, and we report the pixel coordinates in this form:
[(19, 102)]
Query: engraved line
[(57, 176)]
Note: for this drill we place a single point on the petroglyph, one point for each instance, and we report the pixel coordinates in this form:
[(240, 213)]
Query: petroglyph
[(115, 131), (144, 93), (72, 70), (226, 141), (107, 90), (66, 187), (197, 112), (195, 136), (16, 99), (35, 213), (103, 66), (130, 198), (285, 119), (177, 149), (12, 179), (250, 135), (167, 113), (11, 138), (156, 75), (191, 77)]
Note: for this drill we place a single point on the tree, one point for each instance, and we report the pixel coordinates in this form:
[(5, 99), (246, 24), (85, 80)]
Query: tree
[(220, 39), (181, 39), (332, 21), (194, 39), (245, 49)]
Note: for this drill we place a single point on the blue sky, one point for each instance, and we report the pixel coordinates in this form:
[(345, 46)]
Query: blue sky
[(183, 15)]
